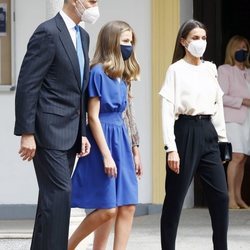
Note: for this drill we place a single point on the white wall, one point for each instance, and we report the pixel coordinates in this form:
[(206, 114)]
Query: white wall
[(17, 179)]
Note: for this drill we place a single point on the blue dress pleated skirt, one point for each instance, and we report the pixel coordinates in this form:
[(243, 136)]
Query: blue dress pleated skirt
[(91, 187)]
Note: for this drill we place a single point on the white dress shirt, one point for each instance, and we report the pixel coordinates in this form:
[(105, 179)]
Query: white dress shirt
[(70, 24), (191, 90)]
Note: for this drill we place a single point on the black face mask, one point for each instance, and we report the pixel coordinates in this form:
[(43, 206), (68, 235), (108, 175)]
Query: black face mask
[(126, 51), (241, 55)]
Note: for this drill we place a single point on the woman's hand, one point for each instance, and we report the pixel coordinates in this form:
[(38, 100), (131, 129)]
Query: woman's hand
[(173, 161), (246, 102), (109, 166), (137, 161)]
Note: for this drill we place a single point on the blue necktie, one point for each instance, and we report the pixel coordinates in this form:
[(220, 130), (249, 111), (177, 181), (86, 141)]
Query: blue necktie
[(79, 51)]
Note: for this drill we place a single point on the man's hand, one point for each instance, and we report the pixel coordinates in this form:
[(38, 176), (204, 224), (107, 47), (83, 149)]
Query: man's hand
[(28, 147), (85, 147)]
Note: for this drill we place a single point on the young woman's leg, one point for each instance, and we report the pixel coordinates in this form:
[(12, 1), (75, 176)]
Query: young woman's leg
[(90, 223), (101, 235), (123, 225)]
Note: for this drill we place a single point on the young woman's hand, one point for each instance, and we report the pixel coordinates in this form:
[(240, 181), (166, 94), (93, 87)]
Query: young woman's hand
[(173, 161), (109, 166), (137, 161)]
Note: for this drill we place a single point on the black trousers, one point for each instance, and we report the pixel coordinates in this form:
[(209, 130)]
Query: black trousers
[(53, 170), (197, 144)]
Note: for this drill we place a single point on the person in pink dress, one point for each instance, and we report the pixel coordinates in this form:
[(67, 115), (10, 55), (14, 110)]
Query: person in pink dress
[(234, 79)]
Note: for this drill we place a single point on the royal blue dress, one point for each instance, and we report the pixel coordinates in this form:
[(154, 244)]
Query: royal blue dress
[(91, 187)]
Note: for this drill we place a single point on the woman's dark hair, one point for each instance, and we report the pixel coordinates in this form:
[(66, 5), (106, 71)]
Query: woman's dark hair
[(186, 27)]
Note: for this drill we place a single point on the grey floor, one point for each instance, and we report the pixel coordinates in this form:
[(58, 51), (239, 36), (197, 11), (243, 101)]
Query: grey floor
[(194, 232)]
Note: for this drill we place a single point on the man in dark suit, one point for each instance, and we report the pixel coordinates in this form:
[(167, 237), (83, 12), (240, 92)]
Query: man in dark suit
[(51, 115)]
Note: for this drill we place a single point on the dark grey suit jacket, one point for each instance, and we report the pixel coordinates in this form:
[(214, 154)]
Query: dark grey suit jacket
[(50, 102)]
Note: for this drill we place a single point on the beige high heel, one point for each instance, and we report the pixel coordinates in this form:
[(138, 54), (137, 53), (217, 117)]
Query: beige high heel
[(243, 205), (235, 206)]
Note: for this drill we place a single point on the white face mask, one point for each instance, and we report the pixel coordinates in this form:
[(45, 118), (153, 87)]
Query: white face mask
[(197, 47), (89, 15)]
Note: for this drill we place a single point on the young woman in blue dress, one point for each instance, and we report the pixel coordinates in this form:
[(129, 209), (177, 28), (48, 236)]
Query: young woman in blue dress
[(105, 180), (102, 233)]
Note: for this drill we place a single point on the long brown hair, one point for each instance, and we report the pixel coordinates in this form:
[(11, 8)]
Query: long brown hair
[(186, 27), (108, 52)]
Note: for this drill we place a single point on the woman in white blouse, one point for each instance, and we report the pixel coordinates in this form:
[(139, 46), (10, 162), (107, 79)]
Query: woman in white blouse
[(234, 79), (193, 123)]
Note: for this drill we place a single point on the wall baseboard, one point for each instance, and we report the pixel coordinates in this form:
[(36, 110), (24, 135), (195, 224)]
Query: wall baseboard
[(28, 211), (17, 211)]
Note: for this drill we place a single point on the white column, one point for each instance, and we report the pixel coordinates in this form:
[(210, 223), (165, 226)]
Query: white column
[(52, 7)]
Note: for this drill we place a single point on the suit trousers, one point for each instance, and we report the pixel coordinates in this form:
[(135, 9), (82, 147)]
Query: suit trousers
[(53, 170), (197, 145)]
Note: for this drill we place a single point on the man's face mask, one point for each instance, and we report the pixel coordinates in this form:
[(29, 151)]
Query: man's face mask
[(89, 15)]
